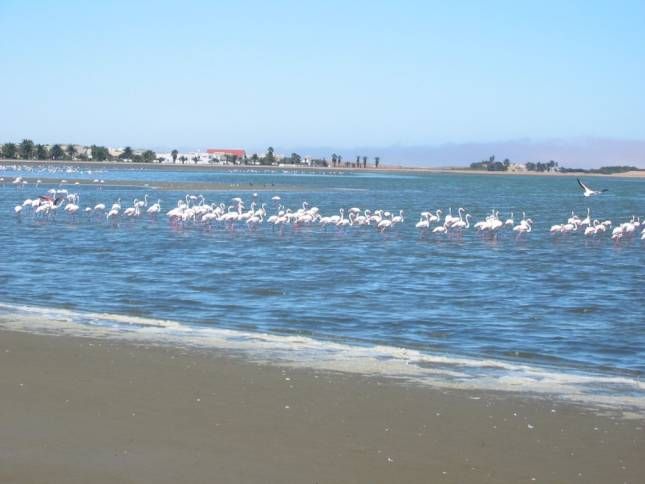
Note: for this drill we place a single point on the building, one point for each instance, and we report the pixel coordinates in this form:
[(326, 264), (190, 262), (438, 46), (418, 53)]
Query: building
[(223, 154), (213, 155)]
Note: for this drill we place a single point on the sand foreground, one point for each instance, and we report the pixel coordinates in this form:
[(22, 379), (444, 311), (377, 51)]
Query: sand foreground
[(80, 410)]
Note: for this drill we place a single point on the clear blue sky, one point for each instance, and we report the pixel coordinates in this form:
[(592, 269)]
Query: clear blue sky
[(295, 73)]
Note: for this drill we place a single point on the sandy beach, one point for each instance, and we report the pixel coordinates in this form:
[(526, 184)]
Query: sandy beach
[(101, 411)]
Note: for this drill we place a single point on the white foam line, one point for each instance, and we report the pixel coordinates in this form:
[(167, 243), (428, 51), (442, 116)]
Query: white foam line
[(437, 370)]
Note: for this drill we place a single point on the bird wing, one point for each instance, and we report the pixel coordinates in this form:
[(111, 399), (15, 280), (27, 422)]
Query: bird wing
[(582, 185), (46, 198)]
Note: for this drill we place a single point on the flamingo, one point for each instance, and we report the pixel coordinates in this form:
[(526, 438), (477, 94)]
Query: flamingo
[(436, 217), (154, 209), (574, 219), (112, 215), (141, 203), (523, 227), (591, 230), (334, 219), (384, 224), (463, 224), (449, 219), (568, 228), (617, 234), (176, 213), (72, 206), (398, 218), (424, 221), (253, 222), (132, 211), (344, 222)]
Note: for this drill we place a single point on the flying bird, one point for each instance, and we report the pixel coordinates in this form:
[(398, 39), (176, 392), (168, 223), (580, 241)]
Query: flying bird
[(588, 192)]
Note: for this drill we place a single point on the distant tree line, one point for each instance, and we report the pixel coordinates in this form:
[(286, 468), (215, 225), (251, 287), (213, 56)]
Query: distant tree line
[(361, 162), (492, 165), (28, 150), (542, 167), (603, 170)]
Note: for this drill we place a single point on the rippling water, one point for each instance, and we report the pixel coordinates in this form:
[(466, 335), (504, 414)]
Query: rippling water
[(567, 305)]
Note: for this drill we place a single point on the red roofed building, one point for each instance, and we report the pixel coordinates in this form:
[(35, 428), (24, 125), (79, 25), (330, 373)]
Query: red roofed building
[(222, 153)]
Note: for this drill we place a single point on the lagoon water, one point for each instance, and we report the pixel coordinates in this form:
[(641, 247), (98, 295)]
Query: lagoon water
[(561, 315)]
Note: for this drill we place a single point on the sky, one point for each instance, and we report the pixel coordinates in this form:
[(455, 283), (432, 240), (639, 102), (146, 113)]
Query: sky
[(337, 74)]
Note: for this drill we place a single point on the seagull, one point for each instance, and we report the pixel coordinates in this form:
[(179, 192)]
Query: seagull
[(588, 191)]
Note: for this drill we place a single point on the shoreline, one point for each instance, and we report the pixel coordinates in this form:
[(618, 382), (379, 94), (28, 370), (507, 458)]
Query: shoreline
[(312, 169), (440, 371), (78, 409)]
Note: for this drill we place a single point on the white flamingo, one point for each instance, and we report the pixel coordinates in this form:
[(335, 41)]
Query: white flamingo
[(424, 221), (154, 209)]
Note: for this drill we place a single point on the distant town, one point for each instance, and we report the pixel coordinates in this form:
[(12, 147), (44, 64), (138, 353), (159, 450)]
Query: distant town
[(28, 150)]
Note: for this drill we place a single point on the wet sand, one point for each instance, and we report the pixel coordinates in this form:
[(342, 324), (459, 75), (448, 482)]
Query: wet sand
[(102, 411)]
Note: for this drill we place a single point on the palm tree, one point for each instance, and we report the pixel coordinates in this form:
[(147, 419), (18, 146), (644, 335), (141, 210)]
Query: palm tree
[(99, 153), (9, 151), (57, 152), (26, 149), (42, 153), (148, 156), (127, 153), (358, 161), (71, 151), (174, 155), (339, 159), (377, 160), (364, 161), (334, 159), (269, 158)]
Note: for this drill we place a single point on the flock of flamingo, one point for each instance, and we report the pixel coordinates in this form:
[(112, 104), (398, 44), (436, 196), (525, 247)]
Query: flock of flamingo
[(193, 209)]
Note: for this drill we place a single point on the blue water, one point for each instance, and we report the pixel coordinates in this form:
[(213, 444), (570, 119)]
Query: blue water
[(569, 304)]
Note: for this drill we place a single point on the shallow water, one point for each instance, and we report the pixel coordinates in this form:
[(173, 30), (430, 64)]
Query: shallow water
[(567, 305)]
